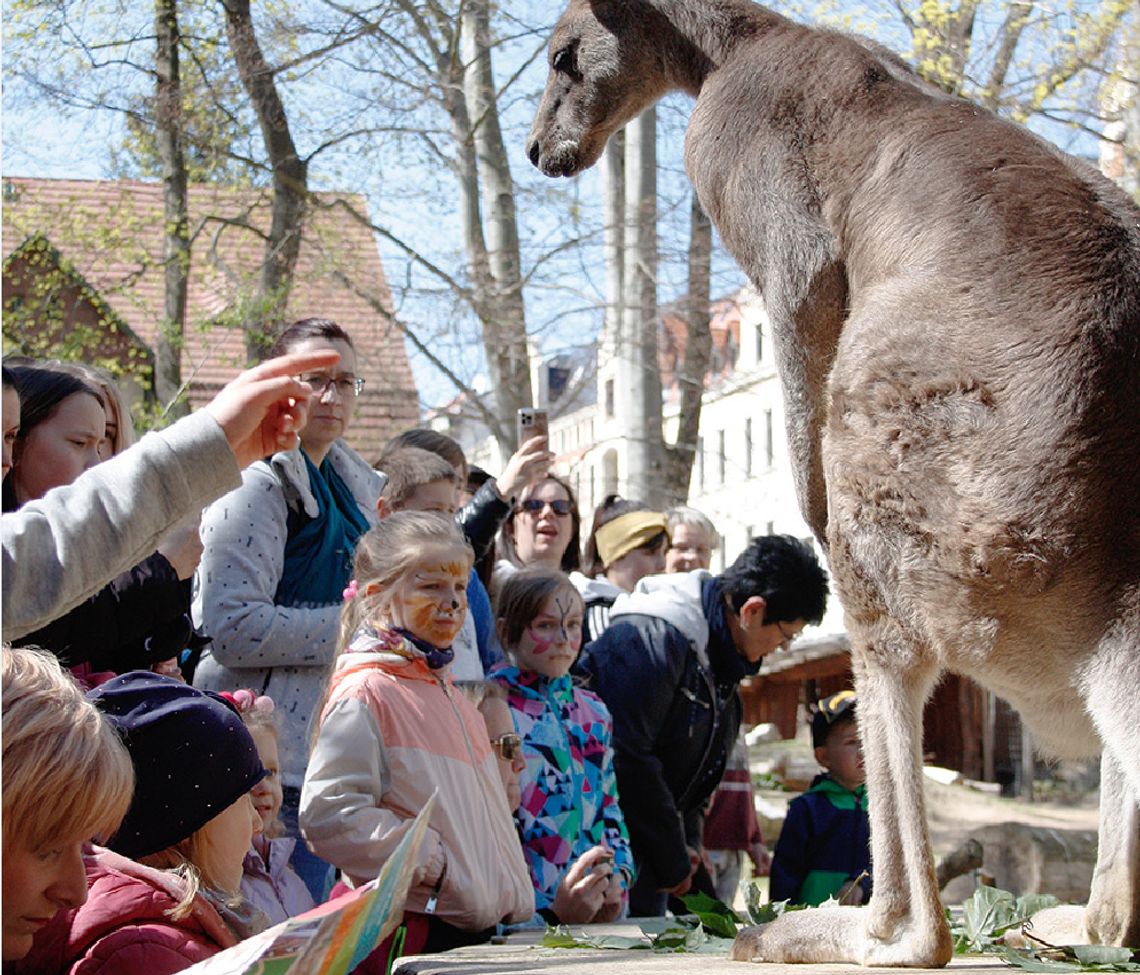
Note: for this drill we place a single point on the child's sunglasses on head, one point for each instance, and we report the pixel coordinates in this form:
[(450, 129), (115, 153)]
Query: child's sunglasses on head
[(509, 746), (560, 506), (834, 707)]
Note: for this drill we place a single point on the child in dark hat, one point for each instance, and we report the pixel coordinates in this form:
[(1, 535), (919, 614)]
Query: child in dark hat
[(824, 847), (166, 894)]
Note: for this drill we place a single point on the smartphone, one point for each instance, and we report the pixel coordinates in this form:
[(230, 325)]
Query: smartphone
[(530, 423)]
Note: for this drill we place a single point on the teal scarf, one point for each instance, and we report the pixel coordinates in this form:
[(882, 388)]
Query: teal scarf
[(318, 554)]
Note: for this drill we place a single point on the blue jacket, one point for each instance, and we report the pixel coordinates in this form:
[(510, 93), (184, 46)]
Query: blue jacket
[(826, 841), (672, 690)]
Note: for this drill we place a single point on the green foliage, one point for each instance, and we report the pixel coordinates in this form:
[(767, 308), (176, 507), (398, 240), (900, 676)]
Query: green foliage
[(989, 913), (716, 917), (1078, 958)]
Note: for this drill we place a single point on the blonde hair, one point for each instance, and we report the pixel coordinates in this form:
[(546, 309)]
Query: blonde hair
[(66, 773), (191, 860), (386, 553)]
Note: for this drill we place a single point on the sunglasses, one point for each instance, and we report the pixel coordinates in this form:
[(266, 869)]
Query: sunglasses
[(559, 506), (509, 746)]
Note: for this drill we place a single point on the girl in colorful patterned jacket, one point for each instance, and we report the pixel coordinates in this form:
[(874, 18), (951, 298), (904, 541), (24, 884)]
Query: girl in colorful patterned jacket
[(569, 819), (394, 730)]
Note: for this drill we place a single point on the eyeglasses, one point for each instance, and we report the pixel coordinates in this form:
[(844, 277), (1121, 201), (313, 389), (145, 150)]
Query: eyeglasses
[(345, 384), (509, 746), (789, 638), (559, 506)]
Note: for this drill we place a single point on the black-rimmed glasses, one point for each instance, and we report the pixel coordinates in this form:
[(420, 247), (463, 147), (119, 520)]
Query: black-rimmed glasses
[(345, 384), (788, 638)]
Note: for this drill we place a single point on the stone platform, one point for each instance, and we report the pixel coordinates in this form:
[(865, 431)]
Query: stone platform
[(521, 955)]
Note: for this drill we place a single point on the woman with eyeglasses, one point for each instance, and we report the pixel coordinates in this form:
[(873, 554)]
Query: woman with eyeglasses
[(278, 557), (568, 816), (542, 531)]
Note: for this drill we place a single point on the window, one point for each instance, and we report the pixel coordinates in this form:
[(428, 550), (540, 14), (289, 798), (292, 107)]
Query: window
[(700, 464), (769, 451), (771, 528), (609, 398), (759, 342), (748, 447), (720, 458)]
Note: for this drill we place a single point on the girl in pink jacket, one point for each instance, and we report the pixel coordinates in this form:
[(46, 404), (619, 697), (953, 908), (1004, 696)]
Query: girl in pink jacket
[(394, 730)]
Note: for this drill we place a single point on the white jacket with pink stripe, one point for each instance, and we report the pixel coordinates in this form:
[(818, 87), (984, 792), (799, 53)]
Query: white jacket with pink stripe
[(392, 733)]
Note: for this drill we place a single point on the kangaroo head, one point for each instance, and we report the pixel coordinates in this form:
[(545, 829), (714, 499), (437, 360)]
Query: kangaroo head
[(604, 69)]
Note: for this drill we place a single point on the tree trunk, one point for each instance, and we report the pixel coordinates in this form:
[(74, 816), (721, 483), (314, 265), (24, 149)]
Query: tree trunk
[(695, 363), (176, 256), (504, 302), (290, 178), (641, 382)]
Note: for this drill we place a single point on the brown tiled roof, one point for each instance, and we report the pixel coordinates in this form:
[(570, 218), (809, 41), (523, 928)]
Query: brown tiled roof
[(111, 232), (724, 324)]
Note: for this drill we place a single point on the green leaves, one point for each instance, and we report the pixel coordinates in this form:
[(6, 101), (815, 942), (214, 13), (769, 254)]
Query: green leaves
[(1078, 958), (990, 913), (716, 917)]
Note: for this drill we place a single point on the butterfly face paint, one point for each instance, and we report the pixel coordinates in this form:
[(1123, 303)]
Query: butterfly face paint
[(430, 600), (550, 644)]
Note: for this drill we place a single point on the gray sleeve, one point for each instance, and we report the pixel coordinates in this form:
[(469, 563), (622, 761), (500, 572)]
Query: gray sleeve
[(73, 541), (341, 815), (244, 536)]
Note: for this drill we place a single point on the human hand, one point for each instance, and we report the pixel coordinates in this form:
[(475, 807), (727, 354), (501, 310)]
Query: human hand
[(168, 668), (582, 889), (527, 464), (761, 860), (264, 408), (182, 548), (681, 889), (612, 902), (432, 861)]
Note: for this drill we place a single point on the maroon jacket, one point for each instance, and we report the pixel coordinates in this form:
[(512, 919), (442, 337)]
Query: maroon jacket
[(123, 929)]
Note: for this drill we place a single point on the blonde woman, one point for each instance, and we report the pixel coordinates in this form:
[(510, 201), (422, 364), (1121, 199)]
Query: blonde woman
[(167, 893), (67, 779)]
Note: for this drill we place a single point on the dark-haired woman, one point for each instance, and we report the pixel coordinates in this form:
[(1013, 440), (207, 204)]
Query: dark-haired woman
[(142, 616), (278, 553)]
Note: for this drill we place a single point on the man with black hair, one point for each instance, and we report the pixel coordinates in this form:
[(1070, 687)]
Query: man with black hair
[(668, 667)]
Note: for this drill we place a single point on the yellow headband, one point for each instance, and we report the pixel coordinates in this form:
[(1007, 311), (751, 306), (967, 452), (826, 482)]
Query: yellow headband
[(627, 532)]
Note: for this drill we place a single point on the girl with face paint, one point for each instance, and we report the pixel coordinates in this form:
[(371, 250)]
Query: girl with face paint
[(571, 825), (394, 730)]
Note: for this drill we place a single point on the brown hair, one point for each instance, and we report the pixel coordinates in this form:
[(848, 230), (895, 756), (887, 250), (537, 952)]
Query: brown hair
[(307, 328), (521, 598), (430, 440), (572, 557), (411, 467)]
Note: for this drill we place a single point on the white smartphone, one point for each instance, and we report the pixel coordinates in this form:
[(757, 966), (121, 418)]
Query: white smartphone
[(530, 422)]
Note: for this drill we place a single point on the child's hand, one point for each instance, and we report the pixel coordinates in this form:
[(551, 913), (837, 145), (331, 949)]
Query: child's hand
[(432, 860), (583, 887), (612, 902)]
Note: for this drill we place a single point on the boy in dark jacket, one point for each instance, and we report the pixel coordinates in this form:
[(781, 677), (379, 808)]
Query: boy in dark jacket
[(667, 667), (824, 848)]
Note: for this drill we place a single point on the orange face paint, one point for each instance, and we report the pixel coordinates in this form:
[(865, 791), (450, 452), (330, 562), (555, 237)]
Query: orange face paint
[(430, 600)]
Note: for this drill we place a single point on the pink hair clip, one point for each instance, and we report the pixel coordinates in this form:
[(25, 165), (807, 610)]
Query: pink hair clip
[(349, 590)]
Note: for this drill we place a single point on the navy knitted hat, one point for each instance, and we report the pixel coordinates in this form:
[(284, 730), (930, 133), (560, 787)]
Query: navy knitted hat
[(193, 757)]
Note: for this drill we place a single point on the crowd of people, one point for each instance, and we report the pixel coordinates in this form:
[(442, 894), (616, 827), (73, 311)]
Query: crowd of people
[(215, 719)]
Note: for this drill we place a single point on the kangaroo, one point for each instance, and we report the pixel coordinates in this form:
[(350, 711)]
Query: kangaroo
[(956, 310)]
